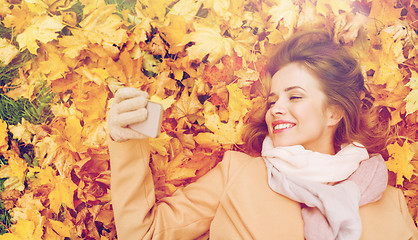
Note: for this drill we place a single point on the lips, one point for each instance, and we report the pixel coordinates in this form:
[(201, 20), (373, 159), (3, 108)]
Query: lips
[(280, 126)]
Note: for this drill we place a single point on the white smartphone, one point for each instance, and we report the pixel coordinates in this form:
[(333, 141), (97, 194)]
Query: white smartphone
[(151, 127)]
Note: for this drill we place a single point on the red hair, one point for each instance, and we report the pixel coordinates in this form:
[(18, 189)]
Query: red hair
[(343, 84)]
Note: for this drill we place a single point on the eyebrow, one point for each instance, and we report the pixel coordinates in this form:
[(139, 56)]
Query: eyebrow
[(289, 89)]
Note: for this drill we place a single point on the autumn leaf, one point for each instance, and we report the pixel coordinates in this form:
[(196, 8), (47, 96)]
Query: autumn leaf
[(202, 60), (28, 210), (3, 136), (43, 29), (23, 229), (159, 145), (62, 194), (187, 9), (388, 72), (60, 228), (7, 51), (385, 12), (174, 32), (72, 132), (73, 44), (412, 98), (15, 172), (238, 104), (166, 103), (4, 8), (324, 6), (286, 11), (400, 161), (227, 133), (102, 26), (186, 105), (208, 40)]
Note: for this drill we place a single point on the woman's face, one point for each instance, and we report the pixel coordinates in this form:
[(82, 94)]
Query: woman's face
[(298, 114)]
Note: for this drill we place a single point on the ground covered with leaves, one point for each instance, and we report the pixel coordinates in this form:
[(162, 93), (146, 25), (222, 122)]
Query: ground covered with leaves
[(62, 61)]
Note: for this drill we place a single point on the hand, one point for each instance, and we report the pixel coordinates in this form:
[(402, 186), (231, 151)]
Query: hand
[(128, 107)]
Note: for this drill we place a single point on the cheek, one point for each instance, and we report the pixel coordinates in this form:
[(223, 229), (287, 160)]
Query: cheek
[(268, 119)]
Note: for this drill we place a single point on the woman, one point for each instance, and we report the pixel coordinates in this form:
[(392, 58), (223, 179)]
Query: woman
[(314, 179)]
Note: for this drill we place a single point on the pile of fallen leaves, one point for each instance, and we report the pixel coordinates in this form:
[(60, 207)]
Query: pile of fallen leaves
[(62, 61)]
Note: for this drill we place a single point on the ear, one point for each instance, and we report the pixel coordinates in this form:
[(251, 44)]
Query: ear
[(334, 114)]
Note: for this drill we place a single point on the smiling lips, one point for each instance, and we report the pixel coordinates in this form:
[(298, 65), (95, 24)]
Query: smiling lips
[(279, 126)]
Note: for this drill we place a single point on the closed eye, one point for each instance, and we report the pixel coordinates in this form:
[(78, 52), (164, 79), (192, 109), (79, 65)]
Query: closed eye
[(295, 98)]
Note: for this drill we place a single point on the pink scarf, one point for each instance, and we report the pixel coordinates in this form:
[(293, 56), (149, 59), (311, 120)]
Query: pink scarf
[(332, 210)]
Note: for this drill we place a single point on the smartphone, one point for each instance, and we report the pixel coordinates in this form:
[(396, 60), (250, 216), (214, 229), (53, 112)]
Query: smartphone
[(151, 127)]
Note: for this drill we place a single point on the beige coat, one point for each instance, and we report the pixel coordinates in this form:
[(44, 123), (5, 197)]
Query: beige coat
[(233, 201)]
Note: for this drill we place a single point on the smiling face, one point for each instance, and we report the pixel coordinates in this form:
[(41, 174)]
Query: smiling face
[(298, 113)]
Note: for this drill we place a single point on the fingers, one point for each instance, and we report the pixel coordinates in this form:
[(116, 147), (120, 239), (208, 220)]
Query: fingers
[(128, 107), (131, 104), (124, 134), (128, 118), (128, 93)]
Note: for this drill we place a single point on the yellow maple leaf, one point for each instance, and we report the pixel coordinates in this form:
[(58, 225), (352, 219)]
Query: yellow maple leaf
[(228, 133), (7, 51), (187, 9), (347, 26), (400, 161), (174, 33), (208, 40), (174, 171), (286, 11), (160, 144), (322, 6), (102, 26), (4, 8), (22, 230), (155, 9), (72, 132), (28, 209), (3, 135), (238, 104), (37, 6), (73, 44), (388, 72), (43, 29), (385, 14), (54, 67), (62, 194), (95, 134), (60, 228), (20, 18), (166, 103), (308, 17), (412, 98), (228, 10), (207, 140), (90, 99), (15, 171), (42, 176), (186, 105)]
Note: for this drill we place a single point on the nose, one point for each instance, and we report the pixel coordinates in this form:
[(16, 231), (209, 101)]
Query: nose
[(278, 109)]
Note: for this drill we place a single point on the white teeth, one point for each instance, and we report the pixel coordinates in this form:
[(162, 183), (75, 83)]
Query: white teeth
[(282, 126)]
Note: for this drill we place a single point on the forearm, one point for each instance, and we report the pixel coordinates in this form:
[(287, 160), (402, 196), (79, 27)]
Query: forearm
[(132, 187), (186, 214)]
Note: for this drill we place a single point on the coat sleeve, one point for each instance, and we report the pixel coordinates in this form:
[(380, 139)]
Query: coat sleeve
[(405, 213), (186, 214)]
